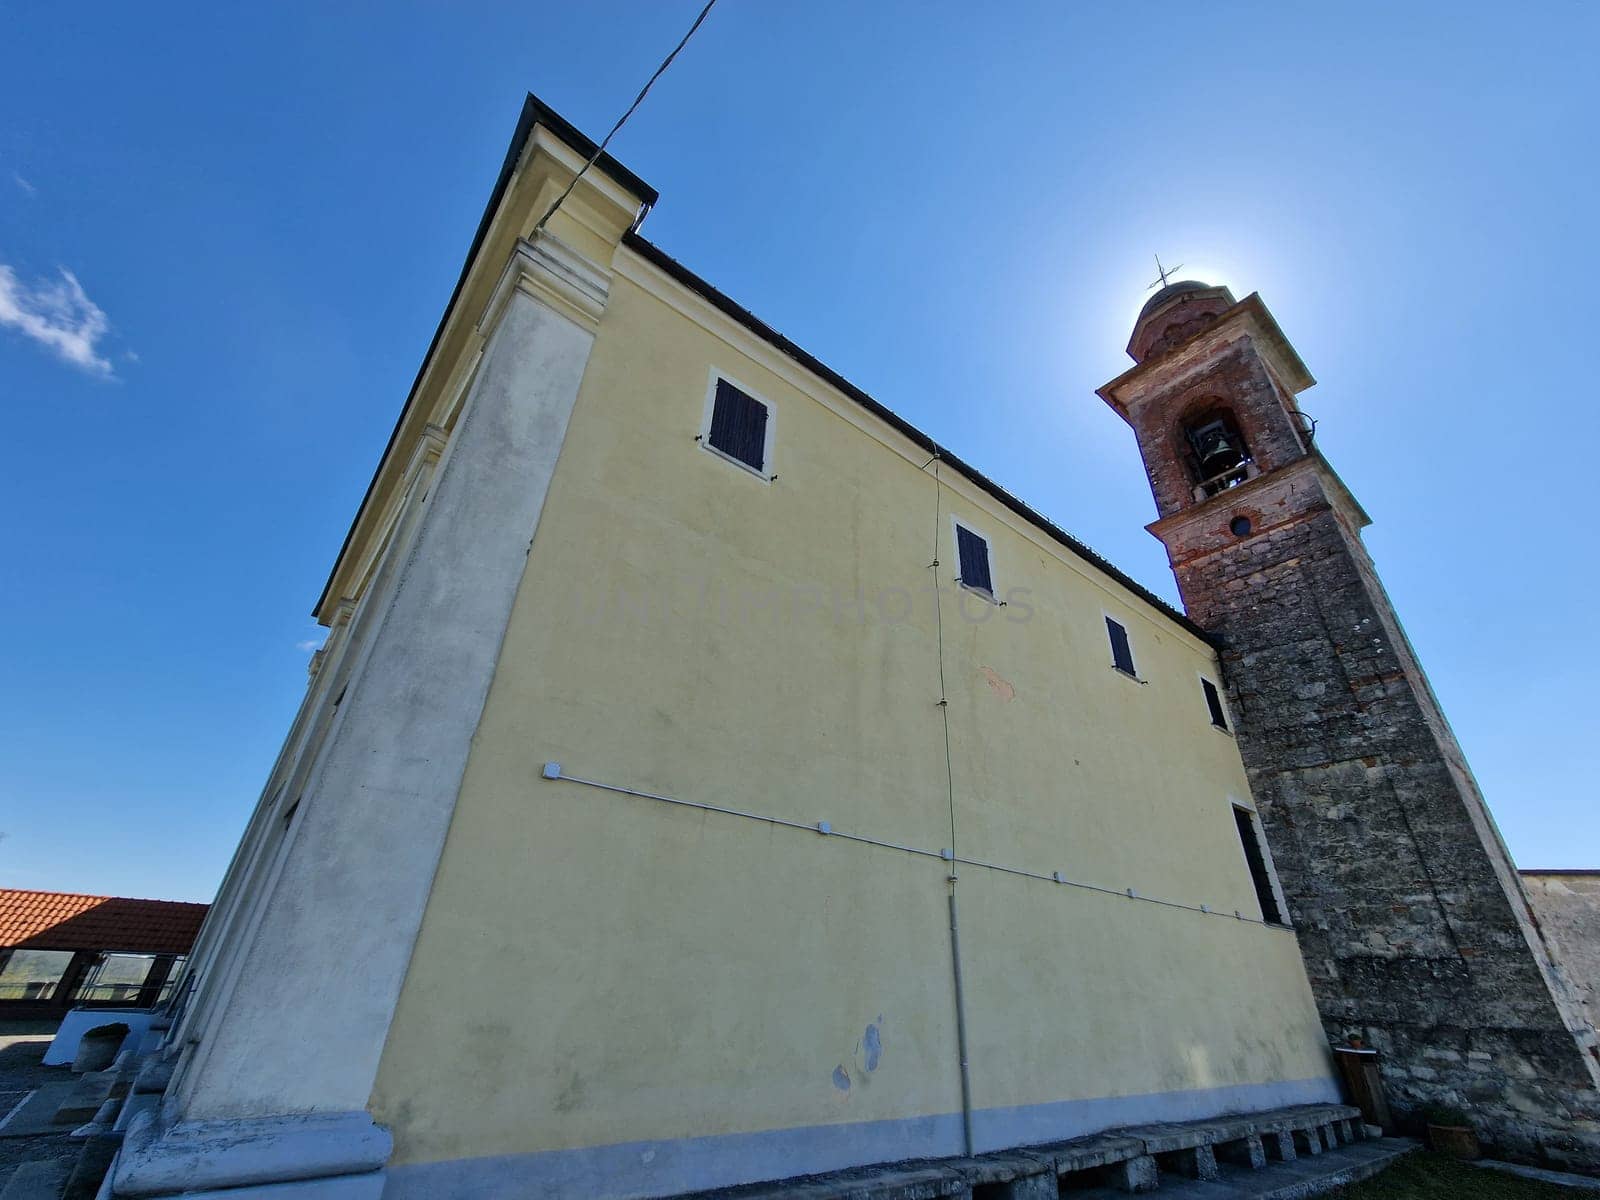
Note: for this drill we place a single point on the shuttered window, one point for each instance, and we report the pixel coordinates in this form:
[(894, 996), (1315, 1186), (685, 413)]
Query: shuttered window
[(1256, 856), (1214, 702), (1121, 652), (739, 426), (973, 551)]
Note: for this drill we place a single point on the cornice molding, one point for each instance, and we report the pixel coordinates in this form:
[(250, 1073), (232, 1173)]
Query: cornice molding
[(430, 446), (1313, 469), (614, 207), (557, 276), (1248, 322)]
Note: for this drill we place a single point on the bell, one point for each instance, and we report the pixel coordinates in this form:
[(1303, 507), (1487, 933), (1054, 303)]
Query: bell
[(1218, 453)]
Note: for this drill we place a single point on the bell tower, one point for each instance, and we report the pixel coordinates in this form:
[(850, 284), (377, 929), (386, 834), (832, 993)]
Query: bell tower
[(1416, 933)]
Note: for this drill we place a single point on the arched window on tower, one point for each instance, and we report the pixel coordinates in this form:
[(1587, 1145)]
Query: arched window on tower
[(1216, 451)]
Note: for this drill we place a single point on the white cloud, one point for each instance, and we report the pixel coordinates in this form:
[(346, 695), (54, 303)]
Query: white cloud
[(59, 316), (23, 184), (308, 645)]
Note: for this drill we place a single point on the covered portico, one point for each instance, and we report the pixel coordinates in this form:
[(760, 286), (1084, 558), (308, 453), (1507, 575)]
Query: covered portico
[(60, 950)]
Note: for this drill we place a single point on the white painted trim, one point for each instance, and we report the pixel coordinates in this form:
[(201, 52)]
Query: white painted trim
[(1111, 654), (249, 888), (992, 595), (1235, 804), (554, 274), (392, 739), (160, 1159), (1222, 702), (595, 185), (631, 265), (369, 1185), (766, 474)]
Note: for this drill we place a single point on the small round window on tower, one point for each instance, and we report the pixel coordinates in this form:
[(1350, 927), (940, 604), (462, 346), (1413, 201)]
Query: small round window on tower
[(1240, 526)]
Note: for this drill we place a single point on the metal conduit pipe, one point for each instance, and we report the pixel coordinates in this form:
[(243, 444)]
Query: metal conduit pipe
[(961, 1023), (554, 771)]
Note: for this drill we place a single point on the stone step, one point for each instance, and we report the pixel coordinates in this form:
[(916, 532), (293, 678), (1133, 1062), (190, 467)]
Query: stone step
[(1296, 1180), (154, 1075), (89, 1172), (87, 1095), (42, 1179), (1117, 1162), (135, 1104), (905, 1181)]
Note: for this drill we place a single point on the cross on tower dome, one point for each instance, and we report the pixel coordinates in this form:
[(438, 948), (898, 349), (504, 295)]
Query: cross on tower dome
[(1163, 272)]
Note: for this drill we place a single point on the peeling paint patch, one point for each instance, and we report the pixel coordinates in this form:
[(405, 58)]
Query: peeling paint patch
[(872, 1047), (997, 685), (841, 1078), (573, 1095)]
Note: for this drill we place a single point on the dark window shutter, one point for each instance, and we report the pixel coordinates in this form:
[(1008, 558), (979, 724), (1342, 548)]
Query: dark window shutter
[(1258, 867), (974, 555), (1121, 652), (1214, 703), (739, 426)]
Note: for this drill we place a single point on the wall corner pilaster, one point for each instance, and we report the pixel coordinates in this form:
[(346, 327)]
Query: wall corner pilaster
[(553, 273)]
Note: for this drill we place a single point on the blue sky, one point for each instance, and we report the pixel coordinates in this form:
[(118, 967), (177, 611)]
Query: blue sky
[(227, 233)]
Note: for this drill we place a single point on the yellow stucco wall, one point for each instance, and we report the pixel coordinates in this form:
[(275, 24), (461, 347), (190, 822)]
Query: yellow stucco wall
[(596, 968)]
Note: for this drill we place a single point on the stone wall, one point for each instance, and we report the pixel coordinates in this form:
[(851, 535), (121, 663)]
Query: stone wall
[(1415, 930), (1567, 907)]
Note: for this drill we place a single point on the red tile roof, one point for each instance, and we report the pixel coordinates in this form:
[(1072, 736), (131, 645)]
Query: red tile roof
[(69, 921)]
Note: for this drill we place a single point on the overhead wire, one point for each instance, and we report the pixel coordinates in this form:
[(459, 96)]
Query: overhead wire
[(623, 119)]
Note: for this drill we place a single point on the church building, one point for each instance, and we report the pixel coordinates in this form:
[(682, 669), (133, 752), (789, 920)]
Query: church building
[(709, 779)]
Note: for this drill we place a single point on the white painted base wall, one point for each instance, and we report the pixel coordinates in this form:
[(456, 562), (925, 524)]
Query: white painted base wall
[(78, 1021)]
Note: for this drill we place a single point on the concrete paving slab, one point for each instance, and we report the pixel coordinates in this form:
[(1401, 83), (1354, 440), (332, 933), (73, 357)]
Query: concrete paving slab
[(1082, 1154), (1004, 1167), (37, 1114)]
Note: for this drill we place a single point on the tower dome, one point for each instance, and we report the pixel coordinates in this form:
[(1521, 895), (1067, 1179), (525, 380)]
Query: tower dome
[(1171, 292), (1174, 314)]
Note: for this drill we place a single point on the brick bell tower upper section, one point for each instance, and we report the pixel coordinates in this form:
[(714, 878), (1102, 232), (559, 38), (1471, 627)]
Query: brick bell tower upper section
[(1213, 403)]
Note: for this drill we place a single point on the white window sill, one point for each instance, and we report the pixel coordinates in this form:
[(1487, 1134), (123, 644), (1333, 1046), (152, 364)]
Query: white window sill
[(705, 444)]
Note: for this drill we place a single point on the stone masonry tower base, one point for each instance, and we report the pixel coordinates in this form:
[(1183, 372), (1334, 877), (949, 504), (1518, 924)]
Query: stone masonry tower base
[(1414, 926)]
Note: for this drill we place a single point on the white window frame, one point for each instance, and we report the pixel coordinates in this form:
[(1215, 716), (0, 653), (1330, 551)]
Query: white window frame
[(1111, 654), (992, 594), (1235, 804), (1222, 700), (766, 474)]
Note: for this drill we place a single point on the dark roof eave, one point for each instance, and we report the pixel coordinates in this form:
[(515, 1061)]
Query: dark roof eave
[(534, 112), (772, 337)]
